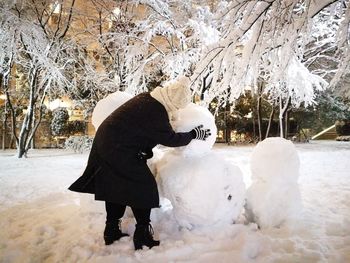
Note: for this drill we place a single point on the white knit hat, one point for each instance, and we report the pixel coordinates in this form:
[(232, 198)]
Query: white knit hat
[(174, 95)]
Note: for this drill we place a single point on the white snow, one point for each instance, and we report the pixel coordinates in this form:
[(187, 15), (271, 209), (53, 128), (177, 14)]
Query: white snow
[(107, 105), (274, 196), (203, 190), (190, 117), (41, 221)]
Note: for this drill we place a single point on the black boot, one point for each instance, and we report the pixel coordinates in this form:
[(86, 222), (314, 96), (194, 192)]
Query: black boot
[(112, 232), (143, 236)]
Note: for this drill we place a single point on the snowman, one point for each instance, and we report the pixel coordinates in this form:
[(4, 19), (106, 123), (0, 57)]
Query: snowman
[(202, 187), (273, 197)]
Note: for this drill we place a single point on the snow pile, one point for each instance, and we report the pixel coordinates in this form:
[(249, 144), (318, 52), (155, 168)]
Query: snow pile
[(274, 195), (107, 105), (203, 188), (190, 117), (42, 221)]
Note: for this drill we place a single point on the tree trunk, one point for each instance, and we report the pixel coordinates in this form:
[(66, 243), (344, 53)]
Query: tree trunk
[(254, 131), (280, 117), (226, 131), (259, 111), (270, 121), (21, 152), (228, 136), (12, 142), (27, 122), (4, 82), (259, 119), (23, 136), (6, 86), (30, 123), (14, 137), (4, 128), (4, 132), (283, 108), (286, 123), (32, 138), (253, 117), (35, 125)]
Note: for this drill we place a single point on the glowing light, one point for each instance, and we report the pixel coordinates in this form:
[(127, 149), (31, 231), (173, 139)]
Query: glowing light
[(56, 8), (116, 11), (58, 103)]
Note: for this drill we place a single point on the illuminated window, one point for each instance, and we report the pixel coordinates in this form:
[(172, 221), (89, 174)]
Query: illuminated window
[(220, 134), (116, 11), (114, 16), (56, 8)]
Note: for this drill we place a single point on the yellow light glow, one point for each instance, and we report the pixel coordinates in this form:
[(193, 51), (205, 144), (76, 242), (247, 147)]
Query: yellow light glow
[(57, 103), (116, 11), (56, 8)]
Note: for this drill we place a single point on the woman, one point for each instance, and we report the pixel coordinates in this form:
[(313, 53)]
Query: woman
[(117, 172)]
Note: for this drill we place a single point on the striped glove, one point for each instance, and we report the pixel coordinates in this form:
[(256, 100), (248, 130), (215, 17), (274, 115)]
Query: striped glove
[(200, 134)]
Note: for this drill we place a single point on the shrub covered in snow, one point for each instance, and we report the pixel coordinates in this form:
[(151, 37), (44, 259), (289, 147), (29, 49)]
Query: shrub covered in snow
[(76, 127), (79, 144), (343, 127), (345, 138), (59, 123)]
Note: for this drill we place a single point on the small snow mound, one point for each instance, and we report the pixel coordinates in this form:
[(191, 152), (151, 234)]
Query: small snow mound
[(107, 105), (190, 117), (203, 191)]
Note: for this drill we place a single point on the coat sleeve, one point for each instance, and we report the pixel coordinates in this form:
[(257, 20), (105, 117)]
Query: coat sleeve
[(162, 133), (174, 139)]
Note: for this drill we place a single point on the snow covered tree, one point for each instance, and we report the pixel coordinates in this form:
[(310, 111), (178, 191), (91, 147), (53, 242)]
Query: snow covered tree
[(227, 47), (264, 41), (328, 46), (255, 45), (326, 112), (36, 49), (142, 43), (37, 44), (138, 44)]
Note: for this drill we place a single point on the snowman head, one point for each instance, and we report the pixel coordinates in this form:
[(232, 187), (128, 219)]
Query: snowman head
[(190, 117)]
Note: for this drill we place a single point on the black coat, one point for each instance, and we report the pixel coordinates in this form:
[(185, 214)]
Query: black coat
[(114, 172)]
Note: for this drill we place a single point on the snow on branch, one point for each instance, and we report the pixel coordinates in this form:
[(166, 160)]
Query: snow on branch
[(263, 41), (298, 85)]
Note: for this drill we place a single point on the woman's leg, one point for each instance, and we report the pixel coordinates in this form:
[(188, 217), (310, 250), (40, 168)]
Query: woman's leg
[(143, 235), (142, 216), (114, 211), (112, 230)]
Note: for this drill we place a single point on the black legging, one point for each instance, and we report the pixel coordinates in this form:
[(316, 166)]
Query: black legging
[(116, 211)]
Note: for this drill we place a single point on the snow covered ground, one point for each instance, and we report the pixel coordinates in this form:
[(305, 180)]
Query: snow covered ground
[(41, 221)]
